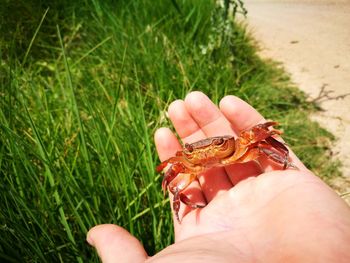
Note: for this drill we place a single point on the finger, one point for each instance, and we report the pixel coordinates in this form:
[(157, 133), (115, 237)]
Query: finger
[(241, 171), (213, 123), (115, 244), (185, 126), (207, 115), (190, 131), (167, 145), (242, 116)]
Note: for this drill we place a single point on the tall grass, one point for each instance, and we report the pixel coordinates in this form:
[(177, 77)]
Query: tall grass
[(84, 86)]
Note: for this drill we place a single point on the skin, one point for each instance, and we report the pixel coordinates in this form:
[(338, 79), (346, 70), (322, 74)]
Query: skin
[(279, 216)]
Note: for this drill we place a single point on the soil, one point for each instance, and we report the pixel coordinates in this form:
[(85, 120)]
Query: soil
[(312, 41)]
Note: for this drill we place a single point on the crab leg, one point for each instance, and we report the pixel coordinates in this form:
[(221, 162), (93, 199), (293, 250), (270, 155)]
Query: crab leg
[(178, 164), (184, 199), (180, 182), (280, 147), (171, 173), (277, 152), (178, 196), (176, 205)]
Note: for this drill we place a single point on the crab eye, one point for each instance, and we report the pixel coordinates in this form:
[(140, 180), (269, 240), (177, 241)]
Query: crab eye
[(189, 147), (218, 141)]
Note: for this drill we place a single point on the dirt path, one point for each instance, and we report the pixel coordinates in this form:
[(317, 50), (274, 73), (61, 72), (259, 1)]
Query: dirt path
[(312, 40)]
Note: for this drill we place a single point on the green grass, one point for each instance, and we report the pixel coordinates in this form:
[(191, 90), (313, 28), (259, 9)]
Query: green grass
[(83, 89)]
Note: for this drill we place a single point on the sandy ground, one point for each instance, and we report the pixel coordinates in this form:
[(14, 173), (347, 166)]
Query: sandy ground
[(312, 40)]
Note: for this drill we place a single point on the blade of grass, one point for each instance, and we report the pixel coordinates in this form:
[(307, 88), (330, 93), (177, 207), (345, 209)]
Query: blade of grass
[(84, 151), (50, 176), (34, 36), (90, 51)]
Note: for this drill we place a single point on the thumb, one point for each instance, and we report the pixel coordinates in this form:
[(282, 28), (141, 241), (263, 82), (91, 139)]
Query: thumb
[(115, 244)]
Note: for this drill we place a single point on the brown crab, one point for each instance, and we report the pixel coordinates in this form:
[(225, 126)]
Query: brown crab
[(195, 158)]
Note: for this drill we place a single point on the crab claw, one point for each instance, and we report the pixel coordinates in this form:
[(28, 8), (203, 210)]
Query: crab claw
[(261, 131), (267, 124), (161, 166)]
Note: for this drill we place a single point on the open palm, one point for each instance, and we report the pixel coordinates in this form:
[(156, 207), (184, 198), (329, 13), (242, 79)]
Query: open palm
[(277, 216)]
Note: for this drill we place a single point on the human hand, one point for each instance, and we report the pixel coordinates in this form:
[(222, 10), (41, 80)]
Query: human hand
[(281, 215)]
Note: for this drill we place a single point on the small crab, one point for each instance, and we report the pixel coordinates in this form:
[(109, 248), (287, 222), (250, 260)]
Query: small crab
[(197, 157)]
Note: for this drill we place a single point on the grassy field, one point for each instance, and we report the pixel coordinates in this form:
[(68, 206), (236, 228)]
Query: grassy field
[(84, 85)]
